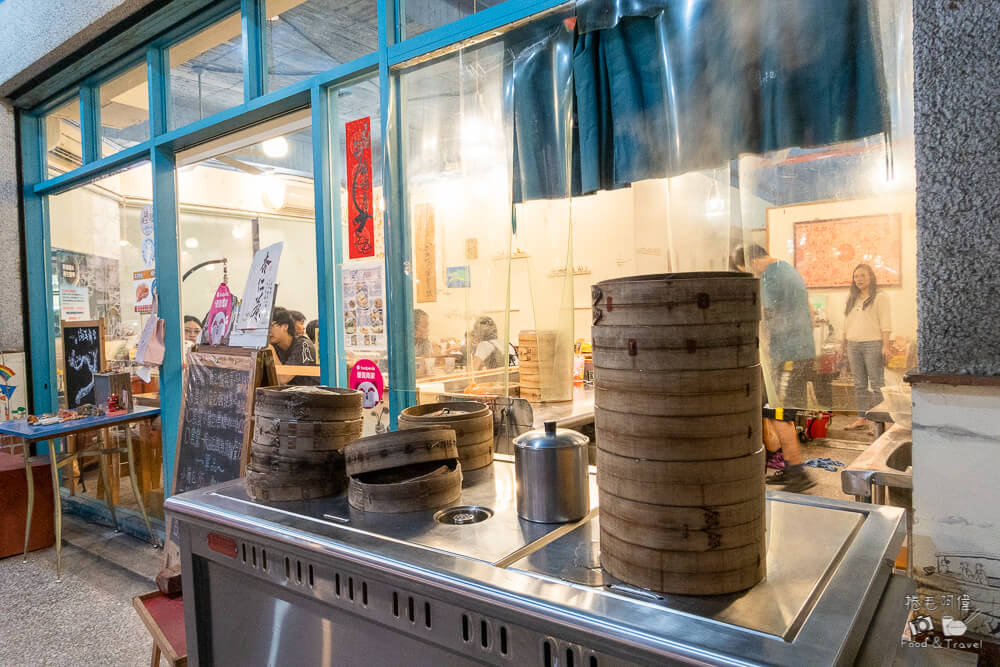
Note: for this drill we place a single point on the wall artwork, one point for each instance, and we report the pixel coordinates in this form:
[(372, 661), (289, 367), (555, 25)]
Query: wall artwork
[(827, 251), (458, 276), (425, 253), (360, 209)]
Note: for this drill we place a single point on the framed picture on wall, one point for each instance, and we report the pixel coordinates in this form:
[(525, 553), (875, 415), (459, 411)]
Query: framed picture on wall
[(827, 251)]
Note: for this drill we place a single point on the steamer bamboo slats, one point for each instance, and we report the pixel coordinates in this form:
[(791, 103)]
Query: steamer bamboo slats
[(680, 465), (298, 438), (405, 471), (471, 421), (542, 367)]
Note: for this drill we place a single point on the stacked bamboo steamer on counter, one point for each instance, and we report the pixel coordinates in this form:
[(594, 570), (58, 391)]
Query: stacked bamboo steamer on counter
[(404, 471), (471, 421), (298, 440), (542, 367), (680, 461)]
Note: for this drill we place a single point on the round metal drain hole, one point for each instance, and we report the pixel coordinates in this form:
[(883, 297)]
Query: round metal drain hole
[(462, 515)]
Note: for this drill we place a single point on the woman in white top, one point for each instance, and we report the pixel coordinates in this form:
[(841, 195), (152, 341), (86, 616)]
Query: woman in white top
[(866, 338), (487, 349)]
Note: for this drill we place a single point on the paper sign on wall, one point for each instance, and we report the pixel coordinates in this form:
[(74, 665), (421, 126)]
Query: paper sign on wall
[(360, 220), (74, 303), (143, 281), (364, 305), (254, 318)]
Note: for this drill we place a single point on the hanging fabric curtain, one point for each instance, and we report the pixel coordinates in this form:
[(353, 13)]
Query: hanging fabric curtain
[(665, 87)]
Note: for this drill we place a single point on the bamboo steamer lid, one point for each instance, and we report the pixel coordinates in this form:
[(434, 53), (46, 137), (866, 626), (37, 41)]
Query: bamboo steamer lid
[(639, 530), (644, 481), (671, 517), (293, 428), (677, 298), (400, 448), (308, 403), (445, 412), (438, 486), (652, 573), (740, 394)]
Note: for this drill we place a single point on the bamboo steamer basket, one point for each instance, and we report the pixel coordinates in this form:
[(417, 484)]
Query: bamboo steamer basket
[(436, 484), (291, 428), (471, 421), (323, 404), (683, 539), (544, 370), (682, 394), (676, 299), (687, 573), (676, 348), (398, 449), (672, 517)]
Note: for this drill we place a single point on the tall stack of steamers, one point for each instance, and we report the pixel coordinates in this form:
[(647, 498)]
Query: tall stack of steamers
[(678, 422), (298, 441)]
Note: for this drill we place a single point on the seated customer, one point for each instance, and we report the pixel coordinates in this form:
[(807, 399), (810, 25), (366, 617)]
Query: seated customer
[(300, 322), (421, 333), (290, 348), (487, 350), (311, 330)]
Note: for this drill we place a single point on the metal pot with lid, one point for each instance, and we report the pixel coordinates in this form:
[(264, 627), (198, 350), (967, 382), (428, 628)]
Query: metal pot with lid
[(551, 468)]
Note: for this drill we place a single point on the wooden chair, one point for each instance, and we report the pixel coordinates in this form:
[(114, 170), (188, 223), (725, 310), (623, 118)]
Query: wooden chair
[(163, 617)]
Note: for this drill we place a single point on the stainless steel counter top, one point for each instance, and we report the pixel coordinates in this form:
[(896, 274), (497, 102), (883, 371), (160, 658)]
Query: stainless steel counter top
[(828, 564)]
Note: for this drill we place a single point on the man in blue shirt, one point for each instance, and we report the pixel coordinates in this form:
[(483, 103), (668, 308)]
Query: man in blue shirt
[(787, 325)]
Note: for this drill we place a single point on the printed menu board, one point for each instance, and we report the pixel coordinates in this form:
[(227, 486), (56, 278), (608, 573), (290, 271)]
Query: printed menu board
[(364, 305)]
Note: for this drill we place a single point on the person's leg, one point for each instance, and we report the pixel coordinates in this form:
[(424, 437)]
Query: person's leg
[(856, 360), (791, 393), (875, 364)]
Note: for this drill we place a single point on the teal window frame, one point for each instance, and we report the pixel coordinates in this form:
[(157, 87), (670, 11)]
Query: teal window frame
[(160, 151)]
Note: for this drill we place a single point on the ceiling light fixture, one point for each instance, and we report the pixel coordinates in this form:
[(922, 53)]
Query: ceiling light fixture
[(277, 147), (191, 242)]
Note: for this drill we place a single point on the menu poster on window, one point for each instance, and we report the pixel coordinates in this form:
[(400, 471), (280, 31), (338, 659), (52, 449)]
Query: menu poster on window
[(425, 253), (143, 281), (254, 319), (74, 303), (364, 305), (360, 219)]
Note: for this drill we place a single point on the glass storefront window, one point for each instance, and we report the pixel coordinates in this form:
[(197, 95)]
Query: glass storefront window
[(359, 204), (242, 193), (515, 212), (306, 37), (419, 16), (206, 73), (102, 237), (124, 111), (62, 138)]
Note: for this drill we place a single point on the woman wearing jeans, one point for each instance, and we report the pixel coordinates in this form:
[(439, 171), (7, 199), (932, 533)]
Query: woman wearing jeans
[(866, 338)]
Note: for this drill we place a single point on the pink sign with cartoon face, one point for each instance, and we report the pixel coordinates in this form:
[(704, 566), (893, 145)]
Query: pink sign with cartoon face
[(367, 378), (217, 323)]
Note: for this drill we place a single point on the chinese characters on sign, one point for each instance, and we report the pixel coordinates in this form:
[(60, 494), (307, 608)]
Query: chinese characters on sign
[(360, 218), (258, 299)]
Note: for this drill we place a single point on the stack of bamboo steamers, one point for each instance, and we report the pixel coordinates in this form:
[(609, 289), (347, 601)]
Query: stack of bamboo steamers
[(298, 441), (680, 462), (420, 466)]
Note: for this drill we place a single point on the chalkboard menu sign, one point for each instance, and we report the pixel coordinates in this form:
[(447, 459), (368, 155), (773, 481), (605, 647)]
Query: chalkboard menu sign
[(214, 434), (83, 355)]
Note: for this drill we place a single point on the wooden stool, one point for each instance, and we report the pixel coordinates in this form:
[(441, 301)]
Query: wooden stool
[(163, 616)]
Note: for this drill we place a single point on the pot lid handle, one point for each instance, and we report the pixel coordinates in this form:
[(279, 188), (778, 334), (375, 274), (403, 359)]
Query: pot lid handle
[(550, 428)]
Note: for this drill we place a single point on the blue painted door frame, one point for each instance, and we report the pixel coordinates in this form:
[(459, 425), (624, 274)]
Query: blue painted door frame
[(160, 151)]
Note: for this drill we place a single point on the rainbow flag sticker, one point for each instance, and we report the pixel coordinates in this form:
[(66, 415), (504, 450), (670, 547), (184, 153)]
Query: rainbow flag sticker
[(6, 373)]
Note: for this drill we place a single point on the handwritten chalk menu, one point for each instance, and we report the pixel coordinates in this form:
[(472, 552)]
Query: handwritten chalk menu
[(216, 406), (83, 355)]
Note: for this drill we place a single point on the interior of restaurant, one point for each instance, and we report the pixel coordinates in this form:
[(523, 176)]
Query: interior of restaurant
[(509, 223)]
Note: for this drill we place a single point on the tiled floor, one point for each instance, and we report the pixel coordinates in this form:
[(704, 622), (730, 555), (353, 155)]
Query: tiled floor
[(87, 618)]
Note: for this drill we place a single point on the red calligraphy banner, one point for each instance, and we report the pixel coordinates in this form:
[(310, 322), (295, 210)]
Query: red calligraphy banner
[(360, 219)]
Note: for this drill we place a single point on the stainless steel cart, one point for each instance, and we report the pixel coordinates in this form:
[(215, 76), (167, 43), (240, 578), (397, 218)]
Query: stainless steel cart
[(318, 583)]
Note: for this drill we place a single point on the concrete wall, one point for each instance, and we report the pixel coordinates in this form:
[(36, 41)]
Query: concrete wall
[(956, 438), (12, 307), (56, 28), (956, 65)]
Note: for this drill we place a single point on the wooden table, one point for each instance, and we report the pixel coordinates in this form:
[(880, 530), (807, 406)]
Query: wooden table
[(30, 434)]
